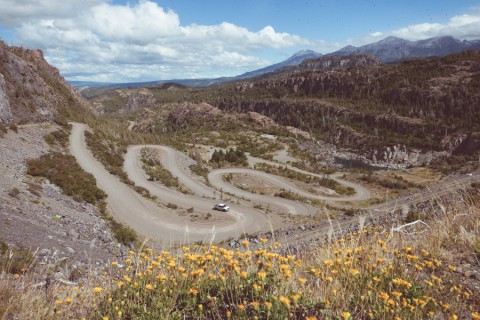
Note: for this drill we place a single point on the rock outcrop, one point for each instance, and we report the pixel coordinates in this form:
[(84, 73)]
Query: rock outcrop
[(5, 114), (31, 90)]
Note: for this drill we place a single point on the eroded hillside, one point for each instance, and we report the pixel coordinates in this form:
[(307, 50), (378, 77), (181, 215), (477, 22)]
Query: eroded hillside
[(31, 90), (412, 113)]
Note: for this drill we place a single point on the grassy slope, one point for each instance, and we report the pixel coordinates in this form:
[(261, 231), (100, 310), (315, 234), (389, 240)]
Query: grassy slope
[(368, 274)]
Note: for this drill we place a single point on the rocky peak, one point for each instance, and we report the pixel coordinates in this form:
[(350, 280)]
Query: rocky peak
[(393, 49), (31, 90)]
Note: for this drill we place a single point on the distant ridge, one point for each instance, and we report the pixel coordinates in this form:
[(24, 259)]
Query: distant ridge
[(393, 49), (294, 60), (388, 50)]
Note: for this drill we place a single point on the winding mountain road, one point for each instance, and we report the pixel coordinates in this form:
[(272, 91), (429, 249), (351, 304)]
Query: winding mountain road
[(145, 216), (164, 225)]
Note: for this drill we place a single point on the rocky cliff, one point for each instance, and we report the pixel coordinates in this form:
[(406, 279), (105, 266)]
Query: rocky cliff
[(31, 90)]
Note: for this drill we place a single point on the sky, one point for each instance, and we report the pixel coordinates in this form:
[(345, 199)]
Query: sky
[(147, 40)]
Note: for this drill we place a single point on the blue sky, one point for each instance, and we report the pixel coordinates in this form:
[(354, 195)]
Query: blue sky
[(143, 40)]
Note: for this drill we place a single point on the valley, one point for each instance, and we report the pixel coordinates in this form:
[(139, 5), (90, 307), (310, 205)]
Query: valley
[(296, 179)]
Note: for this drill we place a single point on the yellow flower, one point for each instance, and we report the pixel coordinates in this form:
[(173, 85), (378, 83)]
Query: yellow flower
[(302, 280), (105, 318), (311, 318), (255, 304), (383, 296), (161, 277), (58, 302), (295, 297), (68, 300), (193, 292), (268, 305), (262, 275), (285, 301), (149, 287), (475, 316), (354, 272), (97, 289), (345, 315)]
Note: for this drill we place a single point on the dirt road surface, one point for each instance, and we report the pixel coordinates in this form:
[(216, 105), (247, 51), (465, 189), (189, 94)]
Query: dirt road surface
[(145, 216)]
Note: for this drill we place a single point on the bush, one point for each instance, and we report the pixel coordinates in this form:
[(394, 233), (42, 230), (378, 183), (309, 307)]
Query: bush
[(3, 247), (64, 171), (14, 192), (237, 157), (15, 261), (172, 206), (123, 234), (3, 130), (14, 127)]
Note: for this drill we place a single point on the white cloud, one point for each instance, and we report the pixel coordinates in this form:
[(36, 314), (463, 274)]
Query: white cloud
[(464, 27), (142, 41), (14, 12)]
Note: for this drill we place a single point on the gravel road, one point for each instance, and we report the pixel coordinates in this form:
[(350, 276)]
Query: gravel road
[(145, 216)]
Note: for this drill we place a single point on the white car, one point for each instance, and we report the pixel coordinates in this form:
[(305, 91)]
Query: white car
[(221, 207)]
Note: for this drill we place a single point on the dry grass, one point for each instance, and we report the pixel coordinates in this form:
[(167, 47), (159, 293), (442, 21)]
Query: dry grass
[(424, 272)]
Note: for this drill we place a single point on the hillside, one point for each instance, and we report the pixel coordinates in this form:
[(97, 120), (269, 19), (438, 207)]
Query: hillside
[(31, 90), (411, 113), (46, 202), (416, 260), (424, 106)]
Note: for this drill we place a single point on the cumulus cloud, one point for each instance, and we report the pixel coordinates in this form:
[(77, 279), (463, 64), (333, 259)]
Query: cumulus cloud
[(14, 12), (142, 41)]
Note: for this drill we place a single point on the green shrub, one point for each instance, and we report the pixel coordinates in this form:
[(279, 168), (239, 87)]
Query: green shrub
[(123, 234), (3, 130), (237, 157), (15, 261), (3, 247), (34, 189), (412, 216), (13, 127), (172, 206), (64, 171), (14, 192)]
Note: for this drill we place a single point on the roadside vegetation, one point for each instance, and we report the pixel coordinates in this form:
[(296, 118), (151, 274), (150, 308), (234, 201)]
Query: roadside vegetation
[(63, 170), (283, 171), (154, 168), (392, 181), (373, 273), (232, 156), (59, 137), (110, 152)]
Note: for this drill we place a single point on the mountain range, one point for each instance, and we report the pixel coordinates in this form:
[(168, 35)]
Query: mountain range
[(387, 50), (393, 49)]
